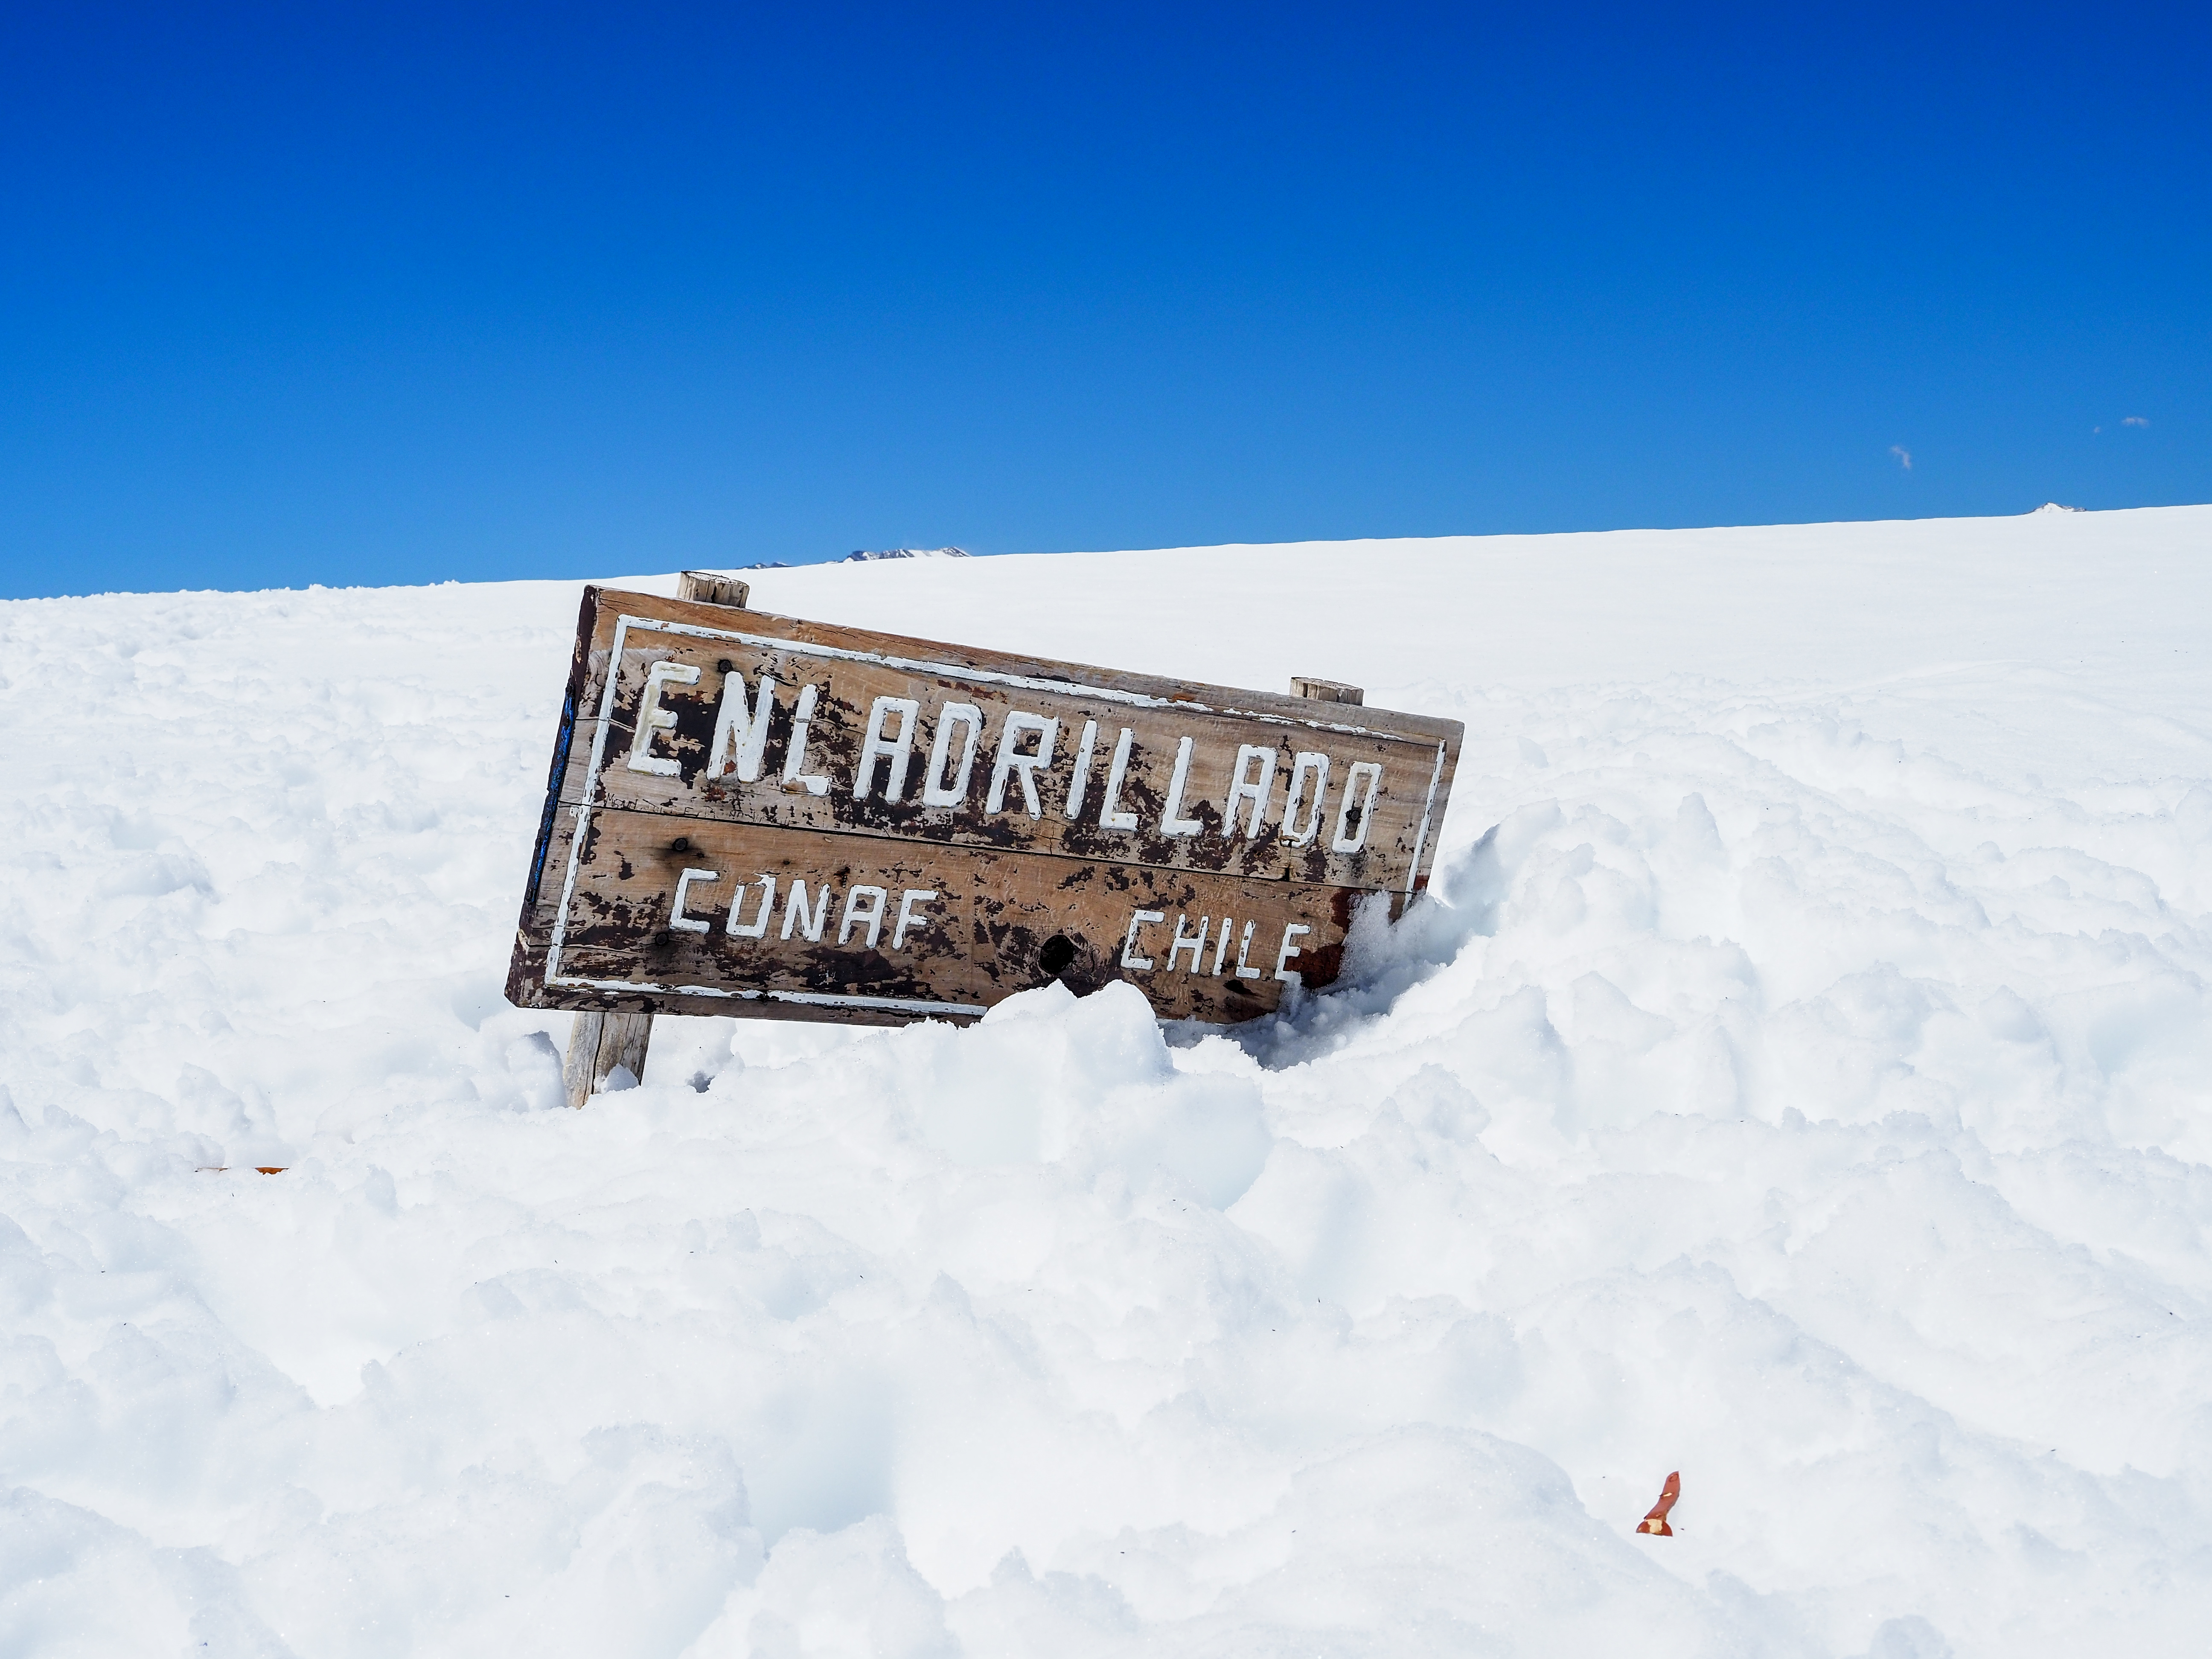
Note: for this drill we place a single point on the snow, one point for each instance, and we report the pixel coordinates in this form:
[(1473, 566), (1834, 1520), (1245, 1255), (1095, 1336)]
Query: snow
[(1801, 1081)]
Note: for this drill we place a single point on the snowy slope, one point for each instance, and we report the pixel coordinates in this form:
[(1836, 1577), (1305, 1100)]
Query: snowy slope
[(1804, 1081)]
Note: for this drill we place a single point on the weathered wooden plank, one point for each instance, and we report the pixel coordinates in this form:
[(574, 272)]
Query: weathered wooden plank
[(888, 930), (916, 739), (823, 824)]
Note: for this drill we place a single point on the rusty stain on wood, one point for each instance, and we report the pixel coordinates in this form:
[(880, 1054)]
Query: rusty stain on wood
[(758, 815)]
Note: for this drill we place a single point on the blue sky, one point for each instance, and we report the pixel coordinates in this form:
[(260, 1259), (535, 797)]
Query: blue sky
[(294, 295)]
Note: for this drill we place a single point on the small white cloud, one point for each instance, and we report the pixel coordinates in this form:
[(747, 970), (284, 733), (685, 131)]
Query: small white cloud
[(2133, 420), (1904, 456)]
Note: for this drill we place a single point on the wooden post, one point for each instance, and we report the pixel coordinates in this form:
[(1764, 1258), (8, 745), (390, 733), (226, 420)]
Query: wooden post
[(1305, 686), (598, 1044), (601, 1041), (707, 588)]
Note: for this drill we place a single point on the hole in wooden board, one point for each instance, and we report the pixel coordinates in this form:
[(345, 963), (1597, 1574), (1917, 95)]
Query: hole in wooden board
[(1059, 950)]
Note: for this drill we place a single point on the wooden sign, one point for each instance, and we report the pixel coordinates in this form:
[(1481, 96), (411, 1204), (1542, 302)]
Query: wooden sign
[(753, 815)]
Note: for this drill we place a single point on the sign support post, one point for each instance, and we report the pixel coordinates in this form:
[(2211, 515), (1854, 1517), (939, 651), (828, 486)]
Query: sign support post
[(598, 1043)]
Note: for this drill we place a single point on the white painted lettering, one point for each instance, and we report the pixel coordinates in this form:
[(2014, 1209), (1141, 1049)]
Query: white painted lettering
[(1355, 815), (1195, 945), (873, 915), (1307, 765), (757, 928), (1081, 782), (1243, 950), (1244, 787), (676, 919), (738, 738), (795, 909), (910, 916), (1221, 945), (1129, 957), (1170, 823), (876, 746), (652, 720), (935, 791), (1110, 815), (1289, 950), (813, 782), (1023, 766)]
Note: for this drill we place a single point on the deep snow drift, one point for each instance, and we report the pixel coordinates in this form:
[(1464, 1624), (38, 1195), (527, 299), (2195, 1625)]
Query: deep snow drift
[(1802, 1080)]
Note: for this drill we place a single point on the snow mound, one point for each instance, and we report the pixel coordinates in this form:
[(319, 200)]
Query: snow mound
[(1798, 1078)]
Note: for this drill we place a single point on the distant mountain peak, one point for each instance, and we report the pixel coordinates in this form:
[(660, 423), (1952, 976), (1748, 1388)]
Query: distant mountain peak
[(863, 555), (2056, 507)]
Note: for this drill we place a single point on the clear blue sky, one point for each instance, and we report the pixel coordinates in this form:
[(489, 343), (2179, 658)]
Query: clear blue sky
[(296, 293)]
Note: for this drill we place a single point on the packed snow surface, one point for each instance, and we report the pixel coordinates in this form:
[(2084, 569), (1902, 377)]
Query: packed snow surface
[(1802, 1079)]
